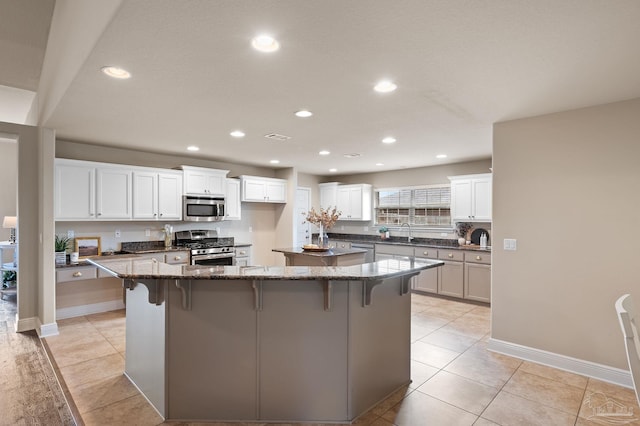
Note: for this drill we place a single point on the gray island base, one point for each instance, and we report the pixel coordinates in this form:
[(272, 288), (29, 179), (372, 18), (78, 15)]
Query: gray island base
[(270, 344), (333, 257)]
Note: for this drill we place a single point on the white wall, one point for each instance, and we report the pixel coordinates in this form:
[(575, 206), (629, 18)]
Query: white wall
[(567, 187)]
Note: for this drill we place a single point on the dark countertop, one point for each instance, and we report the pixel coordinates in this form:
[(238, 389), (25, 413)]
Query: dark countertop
[(134, 267), (329, 253), (242, 245), (156, 250), (457, 247), (402, 241)]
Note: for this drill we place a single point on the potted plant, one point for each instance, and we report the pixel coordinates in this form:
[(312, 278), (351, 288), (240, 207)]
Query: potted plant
[(61, 246), (324, 219), (384, 232)]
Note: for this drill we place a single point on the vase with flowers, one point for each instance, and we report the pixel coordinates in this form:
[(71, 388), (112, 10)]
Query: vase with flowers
[(323, 219), (462, 229)]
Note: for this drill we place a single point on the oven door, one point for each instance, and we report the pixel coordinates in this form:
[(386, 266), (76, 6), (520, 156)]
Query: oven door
[(213, 259)]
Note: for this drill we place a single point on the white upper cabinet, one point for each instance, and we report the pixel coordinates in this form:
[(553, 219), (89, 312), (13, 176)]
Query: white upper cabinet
[(354, 201), (328, 194), (74, 194), (157, 195), (263, 190), (200, 180), (232, 200), (92, 191), (471, 198)]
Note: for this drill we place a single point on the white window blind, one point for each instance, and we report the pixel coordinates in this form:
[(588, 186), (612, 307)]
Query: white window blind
[(427, 206)]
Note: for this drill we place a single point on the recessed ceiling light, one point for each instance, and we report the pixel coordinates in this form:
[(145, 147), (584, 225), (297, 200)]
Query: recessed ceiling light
[(193, 148), (379, 164), (441, 156), (265, 43), (324, 152), (116, 72), (237, 134), (303, 113), (385, 86), (333, 170), (353, 155), (389, 139), (275, 161)]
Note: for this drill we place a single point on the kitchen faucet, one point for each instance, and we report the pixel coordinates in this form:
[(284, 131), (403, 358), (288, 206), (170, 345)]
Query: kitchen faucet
[(409, 238)]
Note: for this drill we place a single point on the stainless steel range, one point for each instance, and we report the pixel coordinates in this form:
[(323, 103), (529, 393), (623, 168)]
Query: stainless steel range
[(206, 247)]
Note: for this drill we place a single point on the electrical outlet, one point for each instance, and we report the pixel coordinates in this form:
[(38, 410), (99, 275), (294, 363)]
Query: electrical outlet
[(147, 232), (70, 234), (510, 244), (118, 235)]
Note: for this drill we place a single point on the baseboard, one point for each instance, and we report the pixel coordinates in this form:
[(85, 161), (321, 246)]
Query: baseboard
[(46, 330), (562, 362), (26, 324), (93, 308)]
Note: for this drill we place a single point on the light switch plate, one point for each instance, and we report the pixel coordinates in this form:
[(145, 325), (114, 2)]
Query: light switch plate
[(510, 244), (118, 235)]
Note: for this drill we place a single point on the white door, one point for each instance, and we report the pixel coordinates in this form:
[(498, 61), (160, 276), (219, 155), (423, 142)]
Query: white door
[(302, 228)]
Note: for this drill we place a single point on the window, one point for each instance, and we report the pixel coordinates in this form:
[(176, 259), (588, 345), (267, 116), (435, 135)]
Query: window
[(424, 206)]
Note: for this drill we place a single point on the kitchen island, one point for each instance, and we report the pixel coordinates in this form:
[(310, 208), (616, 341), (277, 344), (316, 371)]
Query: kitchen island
[(329, 257), (266, 343)]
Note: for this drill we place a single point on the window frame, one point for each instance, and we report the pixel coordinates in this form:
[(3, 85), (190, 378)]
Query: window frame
[(412, 207)]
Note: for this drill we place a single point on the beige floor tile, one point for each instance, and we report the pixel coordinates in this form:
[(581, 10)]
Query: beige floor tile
[(432, 355), (600, 396), (81, 352), (418, 332), (381, 422), (92, 370), (484, 367), (100, 393), (421, 409), (392, 400), (511, 410), (420, 373), (460, 392), (545, 391), (121, 413), (423, 319), (554, 374), (366, 419), (484, 422), (468, 327), (453, 341)]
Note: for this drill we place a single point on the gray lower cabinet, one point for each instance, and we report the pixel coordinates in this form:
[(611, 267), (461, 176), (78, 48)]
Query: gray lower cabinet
[(477, 277), (451, 277), (427, 280)]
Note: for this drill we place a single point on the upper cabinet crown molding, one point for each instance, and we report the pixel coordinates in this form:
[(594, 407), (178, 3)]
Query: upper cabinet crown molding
[(259, 189), (201, 180), (471, 197)]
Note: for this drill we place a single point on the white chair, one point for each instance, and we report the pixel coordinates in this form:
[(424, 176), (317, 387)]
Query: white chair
[(627, 316)]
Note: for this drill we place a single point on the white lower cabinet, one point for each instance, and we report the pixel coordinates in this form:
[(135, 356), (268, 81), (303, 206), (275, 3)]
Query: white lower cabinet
[(243, 256)]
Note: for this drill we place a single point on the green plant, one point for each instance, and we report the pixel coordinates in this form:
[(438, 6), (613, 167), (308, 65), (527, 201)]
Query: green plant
[(382, 229), (8, 277), (61, 243)]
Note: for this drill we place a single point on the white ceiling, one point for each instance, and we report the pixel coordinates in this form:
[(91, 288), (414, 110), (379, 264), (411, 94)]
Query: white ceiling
[(460, 66)]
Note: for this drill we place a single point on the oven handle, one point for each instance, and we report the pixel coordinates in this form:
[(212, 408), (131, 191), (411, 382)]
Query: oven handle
[(211, 256)]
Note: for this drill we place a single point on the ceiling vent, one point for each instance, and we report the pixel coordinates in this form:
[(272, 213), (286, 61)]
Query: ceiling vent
[(354, 155), (277, 137)]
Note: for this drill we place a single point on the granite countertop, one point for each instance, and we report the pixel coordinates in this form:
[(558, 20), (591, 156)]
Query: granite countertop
[(457, 247), (242, 245), (329, 253), (402, 241), (134, 267), (155, 250)]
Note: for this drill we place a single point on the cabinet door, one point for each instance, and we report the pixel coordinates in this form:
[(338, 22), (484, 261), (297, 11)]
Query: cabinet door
[(355, 203), (276, 192), (169, 196), (145, 195), (216, 183), (451, 279), (461, 199), (253, 190), (328, 195), (232, 201), (477, 282), (343, 202), (113, 193), (482, 199), (195, 182), (427, 280), (74, 194)]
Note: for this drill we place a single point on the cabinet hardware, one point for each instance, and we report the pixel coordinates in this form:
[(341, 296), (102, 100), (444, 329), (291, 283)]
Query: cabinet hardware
[(426, 253), (177, 258), (450, 255), (478, 258), (77, 274)]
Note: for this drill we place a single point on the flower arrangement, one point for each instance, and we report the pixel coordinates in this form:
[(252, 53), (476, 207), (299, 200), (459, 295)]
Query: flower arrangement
[(462, 228), (327, 218)]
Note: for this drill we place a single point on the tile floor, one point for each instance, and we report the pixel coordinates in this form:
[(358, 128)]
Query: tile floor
[(456, 380)]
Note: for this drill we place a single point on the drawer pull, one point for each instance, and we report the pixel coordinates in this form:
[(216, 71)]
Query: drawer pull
[(177, 258), (450, 255), (242, 252), (77, 274), (478, 258), (426, 253)]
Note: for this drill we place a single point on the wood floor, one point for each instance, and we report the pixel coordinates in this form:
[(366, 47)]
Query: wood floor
[(29, 391)]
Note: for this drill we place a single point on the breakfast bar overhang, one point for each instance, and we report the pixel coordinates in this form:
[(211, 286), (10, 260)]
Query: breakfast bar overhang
[(266, 343)]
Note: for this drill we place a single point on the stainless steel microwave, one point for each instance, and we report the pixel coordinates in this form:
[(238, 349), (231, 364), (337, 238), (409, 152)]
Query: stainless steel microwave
[(202, 208)]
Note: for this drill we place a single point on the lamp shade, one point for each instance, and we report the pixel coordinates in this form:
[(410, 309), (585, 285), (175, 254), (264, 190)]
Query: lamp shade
[(9, 222)]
